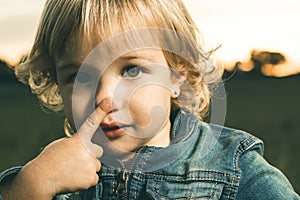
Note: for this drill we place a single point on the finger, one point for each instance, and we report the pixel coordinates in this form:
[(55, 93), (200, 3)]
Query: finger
[(98, 165), (96, 179), (88, 129)]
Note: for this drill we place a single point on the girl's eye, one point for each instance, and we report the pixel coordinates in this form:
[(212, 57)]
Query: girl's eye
[(132, 71), (81, 78)]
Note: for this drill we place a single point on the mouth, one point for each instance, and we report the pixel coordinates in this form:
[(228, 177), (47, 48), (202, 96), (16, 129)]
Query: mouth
[(114, 130)]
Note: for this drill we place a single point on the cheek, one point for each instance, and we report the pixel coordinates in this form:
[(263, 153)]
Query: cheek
[(77, 106), (149, 104), (67, 101)]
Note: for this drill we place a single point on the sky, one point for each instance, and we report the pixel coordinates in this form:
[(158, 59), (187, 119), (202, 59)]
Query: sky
[(237, 25)]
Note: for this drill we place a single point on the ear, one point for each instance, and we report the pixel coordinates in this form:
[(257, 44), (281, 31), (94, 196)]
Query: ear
[(176, 83)]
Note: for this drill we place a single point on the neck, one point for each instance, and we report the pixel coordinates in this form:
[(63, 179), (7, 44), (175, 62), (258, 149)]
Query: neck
[(162, 138)]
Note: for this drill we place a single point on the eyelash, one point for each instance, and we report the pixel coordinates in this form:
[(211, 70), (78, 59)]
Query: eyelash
[(130, 67), (76, 77)]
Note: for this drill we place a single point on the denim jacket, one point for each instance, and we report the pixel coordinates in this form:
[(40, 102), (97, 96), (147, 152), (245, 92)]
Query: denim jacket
[(203, 161)]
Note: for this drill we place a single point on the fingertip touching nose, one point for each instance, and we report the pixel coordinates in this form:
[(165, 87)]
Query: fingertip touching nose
[(106, 105)]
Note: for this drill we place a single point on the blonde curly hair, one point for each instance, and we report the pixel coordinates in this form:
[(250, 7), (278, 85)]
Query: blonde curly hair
[(61, 20)]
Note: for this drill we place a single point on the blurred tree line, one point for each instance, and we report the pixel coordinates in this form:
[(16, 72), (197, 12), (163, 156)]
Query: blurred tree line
[(261, 64)]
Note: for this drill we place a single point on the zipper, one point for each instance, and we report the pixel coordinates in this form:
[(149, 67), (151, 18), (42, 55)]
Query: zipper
[(122, 187)]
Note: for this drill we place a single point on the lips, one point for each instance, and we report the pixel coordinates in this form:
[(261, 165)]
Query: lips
[(113, 130)]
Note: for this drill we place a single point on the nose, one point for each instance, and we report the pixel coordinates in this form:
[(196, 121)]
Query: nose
[(107, 100)]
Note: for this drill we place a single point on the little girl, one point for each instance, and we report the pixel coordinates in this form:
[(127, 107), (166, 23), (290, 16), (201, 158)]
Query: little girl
[(132, 78)]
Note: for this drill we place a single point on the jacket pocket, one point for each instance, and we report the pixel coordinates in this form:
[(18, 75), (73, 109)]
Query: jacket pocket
[(184, 190)]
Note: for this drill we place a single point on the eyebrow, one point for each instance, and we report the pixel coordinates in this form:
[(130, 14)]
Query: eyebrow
[(136, 55), (129, 56)]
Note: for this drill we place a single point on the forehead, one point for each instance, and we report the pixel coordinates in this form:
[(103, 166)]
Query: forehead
[(76, 58)]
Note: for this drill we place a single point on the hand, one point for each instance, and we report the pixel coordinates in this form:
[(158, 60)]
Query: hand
[(65, 165)]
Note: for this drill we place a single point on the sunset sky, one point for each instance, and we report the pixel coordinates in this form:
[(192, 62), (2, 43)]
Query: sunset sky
[(238, 25)]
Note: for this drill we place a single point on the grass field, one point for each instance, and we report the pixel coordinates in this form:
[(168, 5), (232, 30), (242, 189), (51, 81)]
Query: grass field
[(269, 108)]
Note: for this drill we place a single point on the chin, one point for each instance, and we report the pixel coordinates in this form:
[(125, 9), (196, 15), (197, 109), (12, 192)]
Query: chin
[(120, 148)]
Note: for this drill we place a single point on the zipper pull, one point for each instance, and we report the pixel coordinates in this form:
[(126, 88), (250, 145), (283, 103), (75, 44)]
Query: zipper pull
[(121, 189)]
